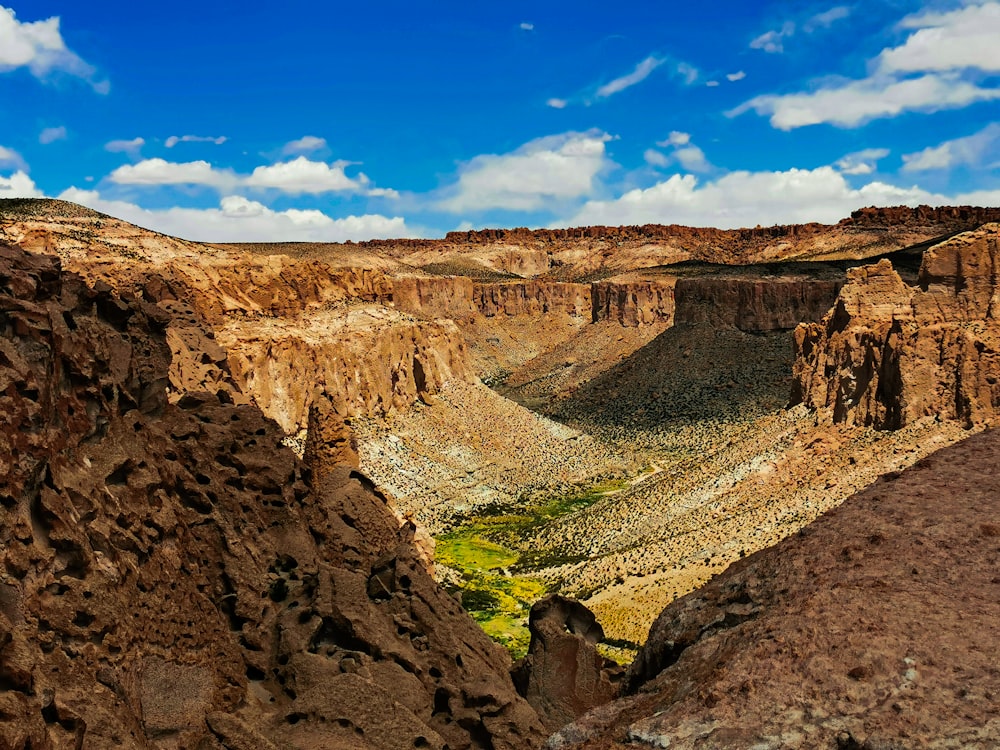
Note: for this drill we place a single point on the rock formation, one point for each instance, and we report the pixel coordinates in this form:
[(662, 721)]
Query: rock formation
[(888, 353), (874, 627), (173, 577), (563, 676), (533, 298), (755, 304), (633, 304)]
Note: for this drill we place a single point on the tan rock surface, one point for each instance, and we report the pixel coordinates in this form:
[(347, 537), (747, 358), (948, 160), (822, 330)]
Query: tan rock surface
[(888, 354)]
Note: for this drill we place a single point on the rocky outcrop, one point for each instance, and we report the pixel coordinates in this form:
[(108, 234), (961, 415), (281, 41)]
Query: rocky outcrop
[(369, 360), (864, 630), (172, 577), (563, 676), (888, 353), (533, 298), (632, 304), (755, 304), (434, 296)]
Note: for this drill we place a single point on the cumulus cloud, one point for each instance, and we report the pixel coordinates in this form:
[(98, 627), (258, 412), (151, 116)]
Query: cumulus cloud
[(304, 176), (39, 47), (976, 150), (11, 158), (525, 26), (18, 185), (861, 162), (51, 135), (540, 172), (656, 158), (745, 199), (131, 147), (964, 38), (175, 139), (935, 68), (161, 172), (739, 75), (557, 103), (239, 219), (638, 75), (685, 153), (304, 145), (854, 103)]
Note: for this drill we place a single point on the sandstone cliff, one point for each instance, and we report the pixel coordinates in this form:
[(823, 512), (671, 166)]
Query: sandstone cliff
[(888, 353), (754, 304), (533, 298), (172, 577), (633, 303)]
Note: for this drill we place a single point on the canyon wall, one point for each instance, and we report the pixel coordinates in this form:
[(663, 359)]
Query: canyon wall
[(888, 353), (533, 298), (172, 577), (755, 305), (633, 304)]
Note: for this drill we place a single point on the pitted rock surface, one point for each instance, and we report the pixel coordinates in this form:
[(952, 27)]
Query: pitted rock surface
[(173, 577), (563, 676)]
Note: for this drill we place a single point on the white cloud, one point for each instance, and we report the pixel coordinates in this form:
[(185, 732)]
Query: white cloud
[(11, 158), (737, 76), (961, 39), (688, 72), (676, 138), (175, 139), (39, 47), (826, 19), (161, 172), (773, 41), (304, 176), (689, 156), (18, 185), (304, 145), (656, 158), (238, 219), (974, 150), (711, 84), (540, 172), (745, 199), (945, 48), (131, 147), (556, 103), (525, 26), (861, 162), (856, 102), (641, 73), (51, 135)]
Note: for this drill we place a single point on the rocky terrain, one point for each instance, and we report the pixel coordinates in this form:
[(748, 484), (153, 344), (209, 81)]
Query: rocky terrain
[(172, 576), (874, 627), (602, 412)]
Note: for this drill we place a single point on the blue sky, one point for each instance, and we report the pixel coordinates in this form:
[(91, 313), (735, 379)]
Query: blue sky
[(332, 121)]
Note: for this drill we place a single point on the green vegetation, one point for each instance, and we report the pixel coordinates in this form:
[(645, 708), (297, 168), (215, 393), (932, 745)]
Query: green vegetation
[(499, 580)]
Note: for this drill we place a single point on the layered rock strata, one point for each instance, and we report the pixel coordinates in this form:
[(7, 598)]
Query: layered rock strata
[(173, 577), (888, 353), (755, 305)]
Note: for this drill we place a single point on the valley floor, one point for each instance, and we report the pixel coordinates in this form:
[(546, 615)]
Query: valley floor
[(635, 485)]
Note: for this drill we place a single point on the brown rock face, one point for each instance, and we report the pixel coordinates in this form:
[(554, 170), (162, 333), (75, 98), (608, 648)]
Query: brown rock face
[(533, 298), (873, 627), (448, 297), (753, 304), (563, 676), (888, 353), (633, 304), (172, 577)]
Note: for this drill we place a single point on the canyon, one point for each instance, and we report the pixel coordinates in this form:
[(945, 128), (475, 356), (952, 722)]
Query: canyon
[(261, 442)]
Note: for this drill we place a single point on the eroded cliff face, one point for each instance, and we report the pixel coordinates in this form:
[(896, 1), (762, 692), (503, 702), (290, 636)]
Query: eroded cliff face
[(173, 578), (888, 354), (754, 305), (370, 360), (533, 298), (633, 303)]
